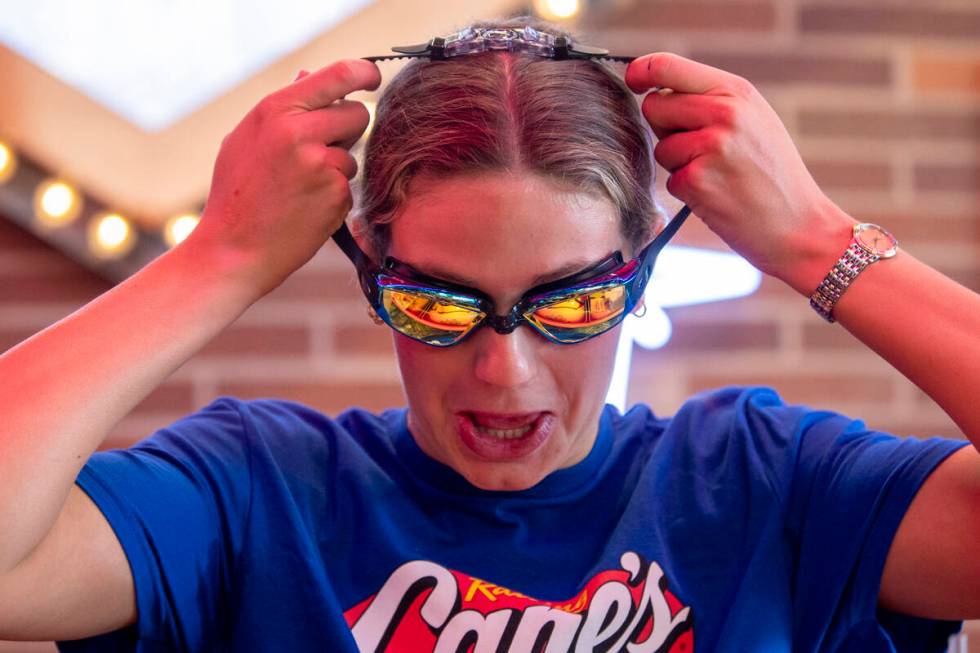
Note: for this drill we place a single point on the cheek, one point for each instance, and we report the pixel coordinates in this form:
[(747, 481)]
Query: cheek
[(423, 366), (587, 360)]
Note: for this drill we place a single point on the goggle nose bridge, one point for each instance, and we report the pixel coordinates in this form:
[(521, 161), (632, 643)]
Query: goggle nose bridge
[(504, 324)]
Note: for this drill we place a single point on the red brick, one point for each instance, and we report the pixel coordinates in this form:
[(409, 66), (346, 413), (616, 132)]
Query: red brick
[(366, 338), (672, 15), (259, 341), (890, 19), (81, 286), (941, 177), (890, 124), (922, 228), (939, 72), (328, 397), (318, 284), (851, 174), (784, 67), (829, 336), (722, 336), (812, 389)]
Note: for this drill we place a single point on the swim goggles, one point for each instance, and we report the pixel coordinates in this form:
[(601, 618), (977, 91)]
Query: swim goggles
[(567, 311)]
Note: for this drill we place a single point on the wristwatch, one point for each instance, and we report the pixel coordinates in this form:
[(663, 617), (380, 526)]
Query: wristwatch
[(868, 244)]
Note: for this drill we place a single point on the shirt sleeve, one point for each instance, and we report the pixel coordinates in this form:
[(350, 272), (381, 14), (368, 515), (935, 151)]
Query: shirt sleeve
[(178, 501), (850, 487)]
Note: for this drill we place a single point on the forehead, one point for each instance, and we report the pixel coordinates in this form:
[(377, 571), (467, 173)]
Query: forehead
[(503, 231)]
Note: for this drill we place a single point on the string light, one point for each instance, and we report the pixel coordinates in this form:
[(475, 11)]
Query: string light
[(110, 236), (179, 227), (8, 162), (557, 9), (56, 204)]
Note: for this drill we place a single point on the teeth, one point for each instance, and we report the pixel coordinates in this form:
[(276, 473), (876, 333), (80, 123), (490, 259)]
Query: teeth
[(504, 434)]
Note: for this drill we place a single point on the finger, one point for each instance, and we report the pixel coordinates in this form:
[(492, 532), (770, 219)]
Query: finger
[(342, 160), (677, 150), (340, 124), (666, 69), (319, 89), (686, 111), (692, 181)]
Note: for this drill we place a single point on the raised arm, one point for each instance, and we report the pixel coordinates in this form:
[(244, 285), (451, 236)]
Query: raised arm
[(280, 189), (732, 161)]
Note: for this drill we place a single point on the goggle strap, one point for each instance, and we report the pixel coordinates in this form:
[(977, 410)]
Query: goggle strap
[(345, 240), (649, 255), (668, 231)]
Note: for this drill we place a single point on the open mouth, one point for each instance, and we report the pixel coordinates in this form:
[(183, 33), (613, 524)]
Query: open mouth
[(504, 438)]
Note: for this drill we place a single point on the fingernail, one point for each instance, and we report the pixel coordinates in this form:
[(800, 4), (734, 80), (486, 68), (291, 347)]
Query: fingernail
[(300, 74)]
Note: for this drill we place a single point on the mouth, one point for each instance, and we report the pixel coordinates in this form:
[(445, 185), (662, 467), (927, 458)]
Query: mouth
[(499, 437)]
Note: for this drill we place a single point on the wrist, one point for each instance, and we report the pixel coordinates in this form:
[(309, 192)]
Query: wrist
[(819, 247), (231, 272)]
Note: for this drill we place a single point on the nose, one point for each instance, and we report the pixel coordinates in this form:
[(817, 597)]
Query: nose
[(505, 360)]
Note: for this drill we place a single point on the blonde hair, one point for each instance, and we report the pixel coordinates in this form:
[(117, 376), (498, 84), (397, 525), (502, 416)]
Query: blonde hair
[(575, 122)]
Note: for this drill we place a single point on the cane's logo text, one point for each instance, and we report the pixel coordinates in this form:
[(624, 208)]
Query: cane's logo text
[(425, 607)]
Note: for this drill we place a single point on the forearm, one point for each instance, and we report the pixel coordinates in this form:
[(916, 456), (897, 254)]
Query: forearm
[(922, 322), (64, 388)]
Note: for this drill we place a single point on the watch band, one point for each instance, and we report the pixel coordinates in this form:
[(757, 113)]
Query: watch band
[(848, 267)]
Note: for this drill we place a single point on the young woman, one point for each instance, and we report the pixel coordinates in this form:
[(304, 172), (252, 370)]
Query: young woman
[(506, 508)]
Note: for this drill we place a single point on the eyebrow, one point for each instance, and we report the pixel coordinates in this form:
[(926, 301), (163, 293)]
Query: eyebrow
[(559, 273)]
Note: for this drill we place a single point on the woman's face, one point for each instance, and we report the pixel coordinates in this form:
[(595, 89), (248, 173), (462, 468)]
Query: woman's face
[(470, 404)]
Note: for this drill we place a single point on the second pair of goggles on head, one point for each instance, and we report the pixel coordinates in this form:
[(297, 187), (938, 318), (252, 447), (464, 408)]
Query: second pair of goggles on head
[(566, 311), (473, 40)]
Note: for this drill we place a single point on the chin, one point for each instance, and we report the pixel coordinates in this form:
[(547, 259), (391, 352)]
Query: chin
[(501, 479)]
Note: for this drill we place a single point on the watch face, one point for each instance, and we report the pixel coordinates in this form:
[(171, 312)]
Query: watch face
[(876, 239)]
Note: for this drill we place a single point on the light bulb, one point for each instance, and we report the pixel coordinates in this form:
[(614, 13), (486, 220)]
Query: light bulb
[(8, 162), (557, 9), (179, 227), (56, 204), (110, 236)]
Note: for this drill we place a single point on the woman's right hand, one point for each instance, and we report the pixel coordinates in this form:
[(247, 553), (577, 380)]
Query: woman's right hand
[(280, 186)]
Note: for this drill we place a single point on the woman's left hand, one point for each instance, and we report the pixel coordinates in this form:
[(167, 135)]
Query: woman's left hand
[(732, 161)]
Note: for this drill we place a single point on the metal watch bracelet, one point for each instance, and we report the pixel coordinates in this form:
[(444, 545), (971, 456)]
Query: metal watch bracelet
[(848, 267)]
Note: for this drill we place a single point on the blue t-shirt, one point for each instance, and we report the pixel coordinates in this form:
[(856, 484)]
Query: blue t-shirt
[(739, 524)]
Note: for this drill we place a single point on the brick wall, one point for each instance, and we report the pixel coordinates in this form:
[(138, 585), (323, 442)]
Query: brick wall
[(882, 98), (883, 101)]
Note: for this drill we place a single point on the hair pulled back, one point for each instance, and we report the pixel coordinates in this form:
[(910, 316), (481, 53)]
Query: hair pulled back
[(574, 122)]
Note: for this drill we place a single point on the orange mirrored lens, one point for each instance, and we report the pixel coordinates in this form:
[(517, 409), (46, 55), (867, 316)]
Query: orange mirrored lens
[(427, 317), (583, 311), (432, 312)]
